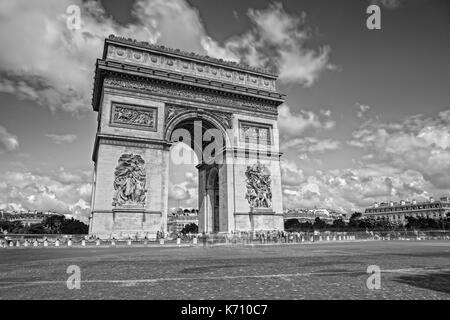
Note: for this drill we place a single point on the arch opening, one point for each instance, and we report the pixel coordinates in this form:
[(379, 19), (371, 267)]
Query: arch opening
[(194, 179)]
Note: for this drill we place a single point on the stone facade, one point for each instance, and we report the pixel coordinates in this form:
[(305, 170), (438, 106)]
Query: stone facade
[(143, 93)]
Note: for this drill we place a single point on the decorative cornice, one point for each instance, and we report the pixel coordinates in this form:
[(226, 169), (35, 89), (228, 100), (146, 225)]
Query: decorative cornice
[(254, 153), (190, 55), (108, 68), (127, 141), (186, 93)]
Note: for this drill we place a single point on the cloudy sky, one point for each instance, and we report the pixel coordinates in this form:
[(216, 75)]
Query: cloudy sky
[(367, 116)]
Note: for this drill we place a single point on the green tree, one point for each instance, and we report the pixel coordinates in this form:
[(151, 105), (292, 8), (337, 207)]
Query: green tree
[(339, 224), (356, 216), (292, 225), (319, 223), (72, 226), (190, 228)]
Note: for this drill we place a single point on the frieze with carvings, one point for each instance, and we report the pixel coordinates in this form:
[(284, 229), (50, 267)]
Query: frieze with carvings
[(182, 93), (224, 118), (259, 191), (139, 117), (130, 181), (255, 133), (172, 111), (183, 64)]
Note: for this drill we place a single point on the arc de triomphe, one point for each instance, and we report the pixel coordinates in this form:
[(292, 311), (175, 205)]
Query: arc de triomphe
[(148, 97)]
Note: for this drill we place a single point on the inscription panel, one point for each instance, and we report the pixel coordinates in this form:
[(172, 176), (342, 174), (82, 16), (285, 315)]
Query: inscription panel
[(133, 116)]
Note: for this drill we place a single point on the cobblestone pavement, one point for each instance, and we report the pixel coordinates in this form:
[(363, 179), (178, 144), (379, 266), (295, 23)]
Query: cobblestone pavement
[(410, 270)]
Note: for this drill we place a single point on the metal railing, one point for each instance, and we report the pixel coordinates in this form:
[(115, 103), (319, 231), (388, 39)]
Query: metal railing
[(234, 239)]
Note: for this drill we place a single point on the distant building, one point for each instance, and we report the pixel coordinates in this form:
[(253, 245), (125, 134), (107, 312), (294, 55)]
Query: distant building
[(26, 217), (177, 220), (309, 215), (398, 211)]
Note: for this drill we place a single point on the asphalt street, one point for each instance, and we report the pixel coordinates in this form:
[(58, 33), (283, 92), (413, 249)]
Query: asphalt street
[(409, 270)]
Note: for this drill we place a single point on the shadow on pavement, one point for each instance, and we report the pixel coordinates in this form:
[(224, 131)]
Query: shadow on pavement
[(432, 281)]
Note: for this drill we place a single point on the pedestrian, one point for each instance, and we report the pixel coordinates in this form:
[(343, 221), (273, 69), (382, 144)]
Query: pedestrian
[(204, 239)]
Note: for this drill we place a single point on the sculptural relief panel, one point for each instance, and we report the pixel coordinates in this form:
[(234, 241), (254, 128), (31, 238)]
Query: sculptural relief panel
[(255, 132), (259, 190), (182, 93), (137, 117), (129, 181)]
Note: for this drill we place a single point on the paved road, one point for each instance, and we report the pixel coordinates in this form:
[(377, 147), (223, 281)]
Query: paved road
[(410, 270)]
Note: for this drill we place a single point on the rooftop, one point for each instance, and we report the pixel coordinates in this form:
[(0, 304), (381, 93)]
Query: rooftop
[(191, 55)]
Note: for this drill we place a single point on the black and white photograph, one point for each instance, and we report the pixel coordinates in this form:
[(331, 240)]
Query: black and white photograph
[(224, 155)]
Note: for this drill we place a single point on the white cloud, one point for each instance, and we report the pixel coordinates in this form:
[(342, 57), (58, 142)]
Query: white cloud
[(37, 45), (277, 40), (291, 175), (178, 192), (362, 110), (292, 125), (354, 189), (61, 138), (417, 142), (8, 141), (311, 145), (54, 191)]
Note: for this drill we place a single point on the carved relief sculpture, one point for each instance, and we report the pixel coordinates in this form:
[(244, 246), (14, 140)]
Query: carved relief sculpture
[(204, 97), (255, 133), (225, 119), (172, 111), (259, 192), (130, 181), (134, 116)]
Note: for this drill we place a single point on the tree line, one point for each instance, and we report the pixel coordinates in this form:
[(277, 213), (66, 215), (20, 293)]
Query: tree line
[(49, 225), (357, 223)]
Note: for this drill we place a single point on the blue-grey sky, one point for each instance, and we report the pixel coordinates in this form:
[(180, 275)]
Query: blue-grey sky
[(367, 115)]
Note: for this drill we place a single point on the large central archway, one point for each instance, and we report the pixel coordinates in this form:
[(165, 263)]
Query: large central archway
[(204, 135)]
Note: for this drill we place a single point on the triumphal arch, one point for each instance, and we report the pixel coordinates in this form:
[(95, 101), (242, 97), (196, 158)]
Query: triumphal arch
[(148, 97)]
